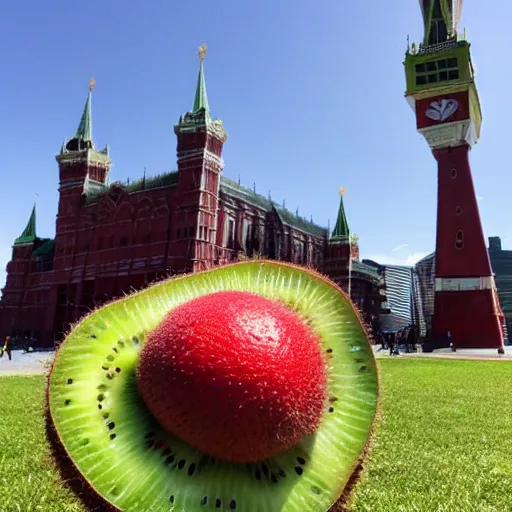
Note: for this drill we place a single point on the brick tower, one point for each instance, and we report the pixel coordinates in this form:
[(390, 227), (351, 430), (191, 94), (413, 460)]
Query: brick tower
[(338, 258), (81, 168), (13, 316), (441, 90), (199, 159)]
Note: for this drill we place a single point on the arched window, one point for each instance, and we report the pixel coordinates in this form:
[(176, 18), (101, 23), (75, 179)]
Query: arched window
[(459, 240)]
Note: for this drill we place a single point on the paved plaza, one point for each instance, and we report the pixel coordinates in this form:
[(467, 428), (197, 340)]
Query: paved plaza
[(36, 363), (480, 354), (33, 363)]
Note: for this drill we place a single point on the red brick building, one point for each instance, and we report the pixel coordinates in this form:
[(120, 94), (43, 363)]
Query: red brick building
[(114, 238)]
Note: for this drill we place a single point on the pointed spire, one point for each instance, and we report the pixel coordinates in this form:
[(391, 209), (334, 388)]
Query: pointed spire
[(201, 98), (441, 19), (29, 233), (341, 230), (84, 130)]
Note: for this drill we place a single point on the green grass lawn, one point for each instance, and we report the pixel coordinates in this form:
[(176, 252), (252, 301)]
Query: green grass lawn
[(28, 479), (443, 442)]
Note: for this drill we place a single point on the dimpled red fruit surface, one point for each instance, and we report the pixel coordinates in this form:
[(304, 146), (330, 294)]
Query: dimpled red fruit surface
[(237, 375)]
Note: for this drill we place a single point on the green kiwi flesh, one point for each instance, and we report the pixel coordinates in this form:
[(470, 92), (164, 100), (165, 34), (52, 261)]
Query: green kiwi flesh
[(128, 460)]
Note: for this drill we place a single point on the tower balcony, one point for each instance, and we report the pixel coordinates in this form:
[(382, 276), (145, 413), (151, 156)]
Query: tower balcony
[(440, 66), (423, 49), (441, 90)]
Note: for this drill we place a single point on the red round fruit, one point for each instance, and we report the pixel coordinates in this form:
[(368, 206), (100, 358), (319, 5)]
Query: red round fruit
[(237, 375)]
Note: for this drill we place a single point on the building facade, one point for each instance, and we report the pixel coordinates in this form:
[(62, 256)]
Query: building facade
[(113, 238), (424, 287), (400, 309)]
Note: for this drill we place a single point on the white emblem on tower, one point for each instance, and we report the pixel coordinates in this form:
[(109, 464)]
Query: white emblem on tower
[(442, 110)]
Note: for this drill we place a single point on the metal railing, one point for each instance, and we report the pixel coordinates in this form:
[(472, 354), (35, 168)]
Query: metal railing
[(423, 49), (434, 48)]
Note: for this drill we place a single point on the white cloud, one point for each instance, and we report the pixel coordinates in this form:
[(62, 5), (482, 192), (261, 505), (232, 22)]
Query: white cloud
[(400, 247), (414, 257), (409, 260), (479, 198)]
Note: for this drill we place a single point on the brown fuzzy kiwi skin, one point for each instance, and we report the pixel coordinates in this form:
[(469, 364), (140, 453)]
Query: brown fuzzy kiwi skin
[(93, 501)]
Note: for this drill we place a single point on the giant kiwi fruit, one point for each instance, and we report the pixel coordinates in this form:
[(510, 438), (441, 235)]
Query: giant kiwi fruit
[(261, 372)]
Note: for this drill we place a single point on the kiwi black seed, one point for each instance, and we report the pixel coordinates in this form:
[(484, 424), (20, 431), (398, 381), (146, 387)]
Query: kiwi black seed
[(132, 464)]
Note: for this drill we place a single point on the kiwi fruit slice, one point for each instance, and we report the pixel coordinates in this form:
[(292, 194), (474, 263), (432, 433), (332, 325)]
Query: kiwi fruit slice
[(104, 427)]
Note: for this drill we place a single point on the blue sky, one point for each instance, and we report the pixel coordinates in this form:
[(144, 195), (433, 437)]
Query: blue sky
[(311, 94)]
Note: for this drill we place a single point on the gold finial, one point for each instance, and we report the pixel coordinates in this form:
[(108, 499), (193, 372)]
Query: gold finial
[(342, 191), (92, 83), (201, 51)]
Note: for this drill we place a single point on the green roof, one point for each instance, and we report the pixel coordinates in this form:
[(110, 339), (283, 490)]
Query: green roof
[(341, 230), (84, 130), (233, 189), (201, 98), (289, 218), (45, 250), (227, 187), (168, 179), (29, 233)]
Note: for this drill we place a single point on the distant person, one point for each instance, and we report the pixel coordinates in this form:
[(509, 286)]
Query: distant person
[(399, 338), (7, 347), (450, 342), (411, 340), (391, 343), (383, 340), (380, 340), (34, 342), (25, 344)]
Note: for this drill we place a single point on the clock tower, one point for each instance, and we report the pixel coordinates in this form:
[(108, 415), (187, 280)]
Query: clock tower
[(442, 92)]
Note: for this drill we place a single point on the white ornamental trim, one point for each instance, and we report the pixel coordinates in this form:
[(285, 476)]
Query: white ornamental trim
[(450, 134), (71, 184), (464, 284), (203, 154), (216, 128), (191, 153), (88, 155)]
